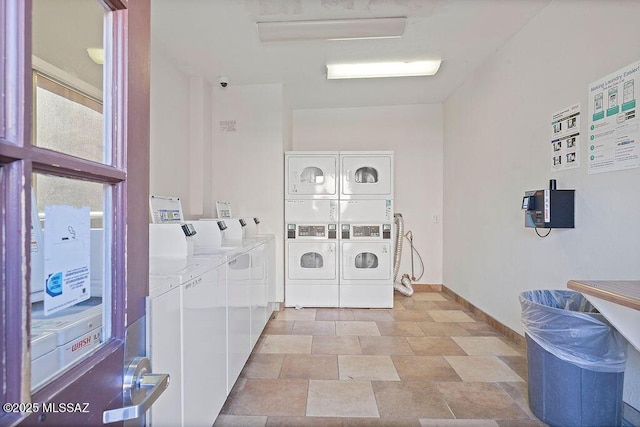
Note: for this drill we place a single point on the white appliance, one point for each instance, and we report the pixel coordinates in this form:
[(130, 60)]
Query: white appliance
[(356, 270), (366, 175), (311, 265), (77, 329), (366, 267), (311, 175), (164, 330), (187, 337), (44, 358), (311, 211)]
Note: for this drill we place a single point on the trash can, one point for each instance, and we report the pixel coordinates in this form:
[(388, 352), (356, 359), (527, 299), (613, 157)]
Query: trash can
[(575, 360)]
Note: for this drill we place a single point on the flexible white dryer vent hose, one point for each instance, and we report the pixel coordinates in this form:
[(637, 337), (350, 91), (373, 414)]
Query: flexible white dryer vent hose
[(404, 286)]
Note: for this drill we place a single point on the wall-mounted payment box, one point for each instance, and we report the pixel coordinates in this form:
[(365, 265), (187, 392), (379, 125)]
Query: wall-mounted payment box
[(549, 208)]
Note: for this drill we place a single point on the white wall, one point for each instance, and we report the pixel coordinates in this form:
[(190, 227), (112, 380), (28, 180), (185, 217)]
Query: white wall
[(497, 133), (247, 163), (414, 133), (169, 155)]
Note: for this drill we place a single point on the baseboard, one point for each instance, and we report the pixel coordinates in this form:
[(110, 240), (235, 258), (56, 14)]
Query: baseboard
[(509, 333), (630, 416)]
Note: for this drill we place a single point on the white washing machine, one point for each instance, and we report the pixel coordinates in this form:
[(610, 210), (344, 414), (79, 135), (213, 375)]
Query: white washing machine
[(311, 265), (366, 175), (311, 175), (186, 337), (366, 265)]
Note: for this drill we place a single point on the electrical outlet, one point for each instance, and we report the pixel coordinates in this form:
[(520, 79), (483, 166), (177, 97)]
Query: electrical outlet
[(436, 219)]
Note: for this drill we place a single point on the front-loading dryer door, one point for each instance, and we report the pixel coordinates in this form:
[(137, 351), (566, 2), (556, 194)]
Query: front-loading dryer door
[(366, 260), (311, 260), (312, 176), (367, 176)]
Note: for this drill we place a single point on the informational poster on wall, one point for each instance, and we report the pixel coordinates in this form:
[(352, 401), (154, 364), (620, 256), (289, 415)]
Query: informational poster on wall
[(613, 122), (565, 138), (67, 257)]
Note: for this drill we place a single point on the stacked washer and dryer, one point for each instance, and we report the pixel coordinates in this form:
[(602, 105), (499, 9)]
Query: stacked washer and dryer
[(339, 237)]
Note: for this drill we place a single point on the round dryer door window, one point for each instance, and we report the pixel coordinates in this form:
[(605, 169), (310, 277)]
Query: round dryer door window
[(366, 260), (311, 260)]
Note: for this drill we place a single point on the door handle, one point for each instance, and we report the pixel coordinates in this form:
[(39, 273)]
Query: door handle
[(141, 389)]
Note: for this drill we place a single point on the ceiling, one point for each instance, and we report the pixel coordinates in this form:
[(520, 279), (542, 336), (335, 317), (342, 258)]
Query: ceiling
[(212, 38)]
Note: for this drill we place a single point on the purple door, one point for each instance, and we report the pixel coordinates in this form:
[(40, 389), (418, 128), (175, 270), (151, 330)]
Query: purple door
[(74, 224)]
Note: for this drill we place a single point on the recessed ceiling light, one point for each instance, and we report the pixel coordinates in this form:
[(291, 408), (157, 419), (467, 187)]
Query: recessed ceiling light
[(382, 69), (337, 29)]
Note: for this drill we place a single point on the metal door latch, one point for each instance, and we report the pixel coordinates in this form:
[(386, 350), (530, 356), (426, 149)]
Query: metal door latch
[(140, 389)]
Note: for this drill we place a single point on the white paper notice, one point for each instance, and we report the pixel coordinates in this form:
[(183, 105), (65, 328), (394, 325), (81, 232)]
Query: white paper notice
[(613, 122), (565, 138), (67, 256)]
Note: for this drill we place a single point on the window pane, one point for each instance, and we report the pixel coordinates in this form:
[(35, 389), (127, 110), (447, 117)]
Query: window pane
[(67, 82), (69, 285)]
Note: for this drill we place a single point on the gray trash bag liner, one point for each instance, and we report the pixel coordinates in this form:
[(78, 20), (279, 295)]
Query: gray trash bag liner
[(566, 325)]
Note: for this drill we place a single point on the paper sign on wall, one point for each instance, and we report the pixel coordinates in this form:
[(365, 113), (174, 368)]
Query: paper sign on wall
[(67, 257), (613, 122), (565, 139)]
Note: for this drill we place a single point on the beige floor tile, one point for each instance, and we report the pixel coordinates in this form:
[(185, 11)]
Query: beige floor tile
[(372, 314), (414, 399), (482, 368), (479, 401), (336, 345), (397, 306), (457, 423), (279, 327), (310, 366), (485, 346), (263, 365), (449, 316), (521, 423), (356, 328), (480, 329), (435, 346), (239, 420), (519, 392), (428, 296), (381, 422), (341, 399), (287, 344), (517, 363), (367, 368), (411, 316), (293, 314), (449, 305), (423, 305), (314, 327), (385, 346), (303, 421), (424, 368), (272, 397), (334, 314), (444, 329), (403, 329)]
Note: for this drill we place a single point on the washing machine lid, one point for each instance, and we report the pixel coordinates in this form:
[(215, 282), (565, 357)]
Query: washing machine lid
[(183, 269)]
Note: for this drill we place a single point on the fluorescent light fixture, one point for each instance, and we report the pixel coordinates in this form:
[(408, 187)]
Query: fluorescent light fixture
[(382, 69), (96, 54), (337, 29)]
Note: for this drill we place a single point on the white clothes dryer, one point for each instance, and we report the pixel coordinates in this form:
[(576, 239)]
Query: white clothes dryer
[(366, 265), (311, 265), (366, 175), (311, 175)]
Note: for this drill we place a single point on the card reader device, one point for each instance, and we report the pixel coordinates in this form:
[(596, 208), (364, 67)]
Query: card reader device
[(551, 208)]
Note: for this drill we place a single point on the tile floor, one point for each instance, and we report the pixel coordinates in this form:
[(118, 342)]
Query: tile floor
[(426, 362)]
